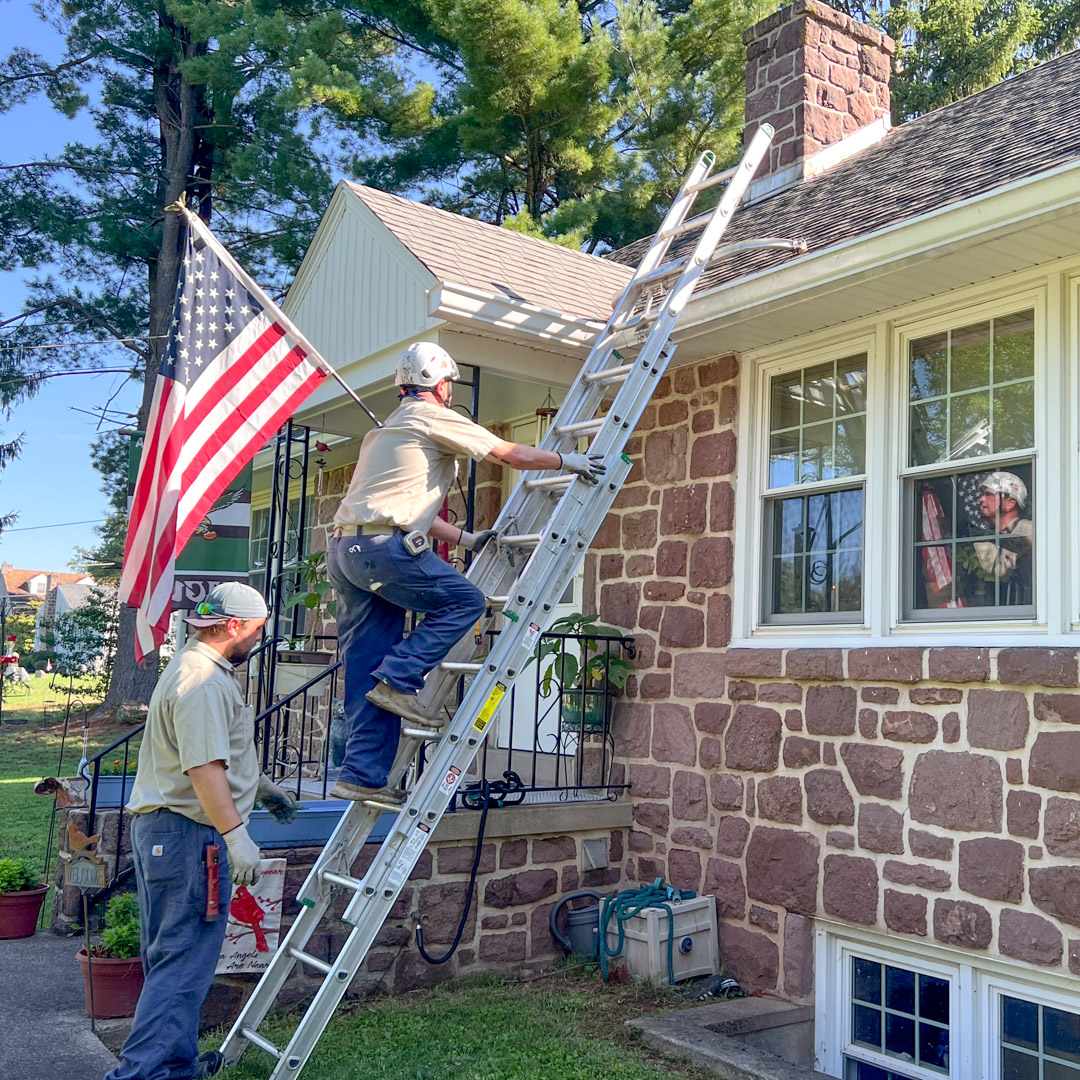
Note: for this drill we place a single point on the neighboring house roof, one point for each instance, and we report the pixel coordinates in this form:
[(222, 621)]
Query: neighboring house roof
[(15, 580), (463, 251), (76, 595), (1012, 131)]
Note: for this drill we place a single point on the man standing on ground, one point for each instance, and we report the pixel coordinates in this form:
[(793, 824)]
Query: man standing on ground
[(197, 781), (381, 565)]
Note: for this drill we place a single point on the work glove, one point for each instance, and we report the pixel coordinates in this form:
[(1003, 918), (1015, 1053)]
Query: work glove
[(245, 858), (589, 467), (475, 541), (280, 803)]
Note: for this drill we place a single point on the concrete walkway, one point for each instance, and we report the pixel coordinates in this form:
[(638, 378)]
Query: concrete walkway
[(47, 1033)]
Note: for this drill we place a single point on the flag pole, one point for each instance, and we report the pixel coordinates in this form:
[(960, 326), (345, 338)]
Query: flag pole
[(195, 222)]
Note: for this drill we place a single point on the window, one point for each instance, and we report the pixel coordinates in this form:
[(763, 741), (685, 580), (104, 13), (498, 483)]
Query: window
[(1038, 1042), (897, 1013), (970, 531), (260, 540), (814, 508)]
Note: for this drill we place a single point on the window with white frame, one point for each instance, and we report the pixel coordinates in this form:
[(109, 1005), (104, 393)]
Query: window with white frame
[(907, 1012), (814, 503), (969, 477)]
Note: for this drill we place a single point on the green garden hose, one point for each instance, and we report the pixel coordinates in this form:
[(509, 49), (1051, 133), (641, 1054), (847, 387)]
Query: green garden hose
[(630, 902)]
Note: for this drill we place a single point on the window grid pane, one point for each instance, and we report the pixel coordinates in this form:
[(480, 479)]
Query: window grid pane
[(817, 543), (888, 1016), (971, 391), (817, 423), (1038, 1041)]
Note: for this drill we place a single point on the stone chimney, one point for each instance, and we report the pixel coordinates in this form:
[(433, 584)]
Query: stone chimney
[(821, 78)]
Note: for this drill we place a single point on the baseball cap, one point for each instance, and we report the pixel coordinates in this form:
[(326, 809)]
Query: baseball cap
[(1006, 483), (229, 600)]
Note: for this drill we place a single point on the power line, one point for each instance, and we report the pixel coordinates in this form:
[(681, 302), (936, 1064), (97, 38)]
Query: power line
[(58, 525), (80, 344)]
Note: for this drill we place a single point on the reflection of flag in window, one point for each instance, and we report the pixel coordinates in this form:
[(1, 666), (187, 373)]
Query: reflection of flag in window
[(938, 560)]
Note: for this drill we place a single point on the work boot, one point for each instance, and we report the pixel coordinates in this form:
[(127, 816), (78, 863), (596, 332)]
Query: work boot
[(357, 793), (404, 705), (208, 1064)]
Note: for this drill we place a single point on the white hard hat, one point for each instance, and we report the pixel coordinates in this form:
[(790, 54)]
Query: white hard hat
[(424, 363), (1006, 483)]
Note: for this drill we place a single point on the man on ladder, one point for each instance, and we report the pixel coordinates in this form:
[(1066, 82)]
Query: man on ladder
[(381, 564)]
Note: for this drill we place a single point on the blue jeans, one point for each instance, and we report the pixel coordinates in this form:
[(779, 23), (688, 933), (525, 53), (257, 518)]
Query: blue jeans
[(376, 581), (179, 947)]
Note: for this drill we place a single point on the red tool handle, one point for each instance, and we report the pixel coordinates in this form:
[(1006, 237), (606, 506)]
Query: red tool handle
[(213, 883)]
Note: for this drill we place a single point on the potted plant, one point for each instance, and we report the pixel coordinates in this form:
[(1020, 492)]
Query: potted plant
[(116, 781), (316, 587), (21, 897), (584, 669), (115, 965)]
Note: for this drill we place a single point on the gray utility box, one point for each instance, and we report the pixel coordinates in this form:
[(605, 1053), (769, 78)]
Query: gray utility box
[(645, 948)]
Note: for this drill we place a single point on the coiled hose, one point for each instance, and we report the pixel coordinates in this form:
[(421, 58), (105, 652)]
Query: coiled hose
[(630, 902)]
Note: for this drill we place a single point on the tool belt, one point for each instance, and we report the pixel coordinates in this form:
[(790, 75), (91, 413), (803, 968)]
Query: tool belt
[(365, 530)]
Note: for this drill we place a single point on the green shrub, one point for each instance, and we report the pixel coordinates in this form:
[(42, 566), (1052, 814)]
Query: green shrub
[(120, 938), (17, 875)]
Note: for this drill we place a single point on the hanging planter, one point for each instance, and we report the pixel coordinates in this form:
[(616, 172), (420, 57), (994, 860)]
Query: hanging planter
[(594, 720)]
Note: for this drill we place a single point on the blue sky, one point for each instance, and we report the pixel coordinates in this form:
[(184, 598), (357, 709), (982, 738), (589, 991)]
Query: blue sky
[(53, 482)]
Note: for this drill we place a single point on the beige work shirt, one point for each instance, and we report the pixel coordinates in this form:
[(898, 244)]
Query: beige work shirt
[(406, 467), (197, 715)]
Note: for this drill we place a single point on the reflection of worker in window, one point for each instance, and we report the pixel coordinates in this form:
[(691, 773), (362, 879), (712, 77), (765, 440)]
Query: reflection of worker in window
[(1003, 498)]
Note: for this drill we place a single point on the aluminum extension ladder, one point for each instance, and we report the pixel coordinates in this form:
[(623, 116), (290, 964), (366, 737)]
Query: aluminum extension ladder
[(544, 531)]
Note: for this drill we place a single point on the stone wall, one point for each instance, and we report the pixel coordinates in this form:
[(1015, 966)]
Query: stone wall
[(928, 792)]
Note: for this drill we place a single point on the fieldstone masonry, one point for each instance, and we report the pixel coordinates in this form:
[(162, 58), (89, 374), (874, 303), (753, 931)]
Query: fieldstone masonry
[(928, 792)]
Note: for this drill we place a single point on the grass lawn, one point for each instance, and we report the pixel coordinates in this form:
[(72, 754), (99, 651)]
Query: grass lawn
[(566, 1026), (28, 752)]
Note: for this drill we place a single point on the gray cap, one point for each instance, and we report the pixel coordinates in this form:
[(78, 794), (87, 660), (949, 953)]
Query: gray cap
[(229, 600)]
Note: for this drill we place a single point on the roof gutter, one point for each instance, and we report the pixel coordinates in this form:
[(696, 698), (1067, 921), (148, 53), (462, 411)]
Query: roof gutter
[(950, 228)]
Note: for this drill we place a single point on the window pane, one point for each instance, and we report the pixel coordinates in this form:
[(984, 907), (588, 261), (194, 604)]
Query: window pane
[(817, 453), (934, 999), (1014, 347), (818, 403), (970, 357), (867, 981), (1061, 1034), (849, 457), (974, 539), (860, 1070), (934, 1046), (1053, 1070), (827, 527), (972, 391), (969, 427), (786, 401), (929, 432), (783, 454), (866, 1026), (1020, 1022), (1014, 417), (851, 386), (900, 1036), (1017, 1066), (900, 990), (929, 376)]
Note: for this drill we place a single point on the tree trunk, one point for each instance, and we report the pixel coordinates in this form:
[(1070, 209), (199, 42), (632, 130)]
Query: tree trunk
[(181, 114)]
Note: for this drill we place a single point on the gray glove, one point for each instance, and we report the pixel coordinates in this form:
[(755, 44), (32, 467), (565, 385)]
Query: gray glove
[(589, 467), (475, 541), (280, 803), (245, 859)]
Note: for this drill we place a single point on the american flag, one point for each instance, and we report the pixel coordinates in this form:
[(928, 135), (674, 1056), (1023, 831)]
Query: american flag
[(232, 373)]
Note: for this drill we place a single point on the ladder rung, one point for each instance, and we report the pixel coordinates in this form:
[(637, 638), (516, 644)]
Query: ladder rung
[(711, 181), (661, 272), (343, 880), (522, 540), (584, 427), (689, 225), (256, 1039), (605, 376), (311, 961), (429, 734), (462, 668), (549, 482)]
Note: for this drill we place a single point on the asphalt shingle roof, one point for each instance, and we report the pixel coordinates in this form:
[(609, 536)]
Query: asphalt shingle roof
[(1014, 130), (463, 251)]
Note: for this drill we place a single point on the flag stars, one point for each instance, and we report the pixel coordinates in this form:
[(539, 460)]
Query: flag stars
[(228, 328), (198, 256), (184, 354), (212, 327), (213, 293), (230, 293), (214, 310), (245, 310), (213, 275)]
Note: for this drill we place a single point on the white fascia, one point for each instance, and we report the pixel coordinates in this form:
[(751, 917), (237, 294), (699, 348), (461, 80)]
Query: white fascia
[(940, 232), (516, 320)]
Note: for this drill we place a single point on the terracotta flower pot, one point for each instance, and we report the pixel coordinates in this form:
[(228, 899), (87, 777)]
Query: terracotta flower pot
[(117, 985), (19, 912)]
